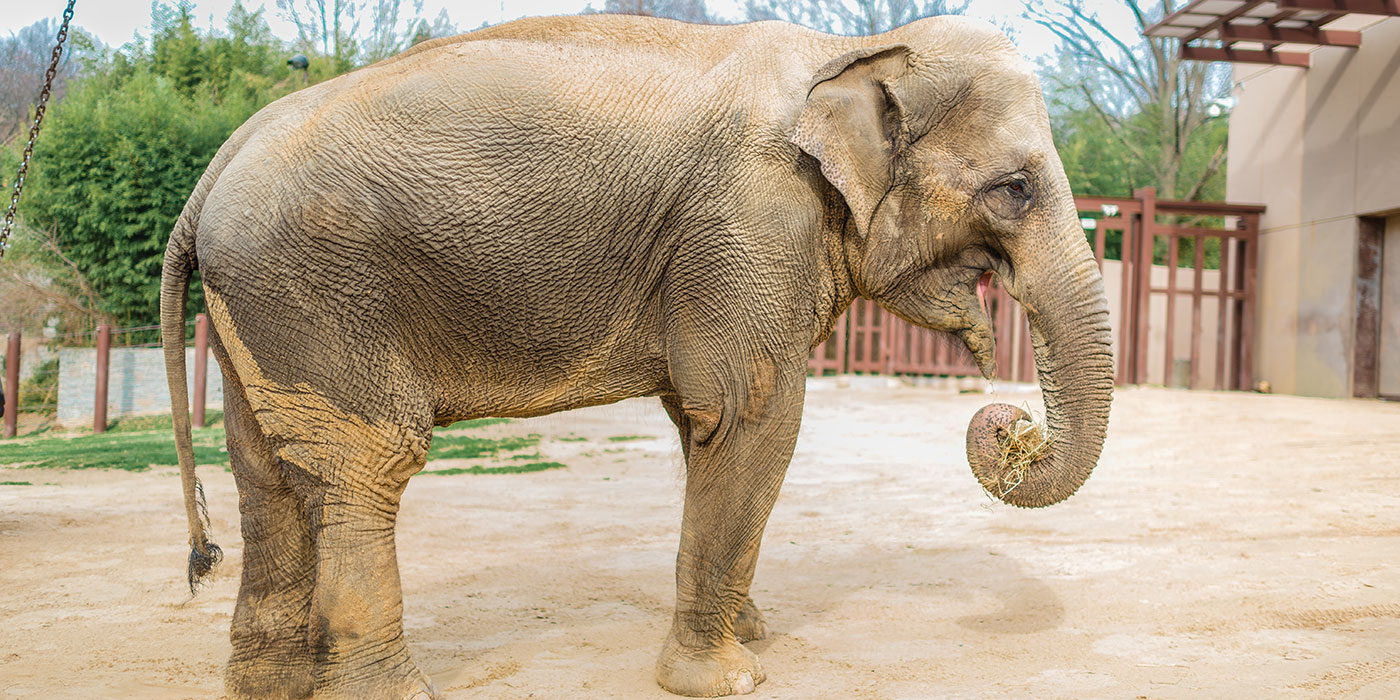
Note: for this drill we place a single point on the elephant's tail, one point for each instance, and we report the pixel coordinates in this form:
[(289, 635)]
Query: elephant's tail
[(180, 262)]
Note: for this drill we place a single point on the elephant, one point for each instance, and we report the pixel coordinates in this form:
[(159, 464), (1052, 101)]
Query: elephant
[(564, 212)]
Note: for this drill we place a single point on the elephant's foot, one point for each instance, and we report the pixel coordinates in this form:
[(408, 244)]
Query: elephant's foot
[(395, 678), (726, 669), (749, 625), (268, 681)]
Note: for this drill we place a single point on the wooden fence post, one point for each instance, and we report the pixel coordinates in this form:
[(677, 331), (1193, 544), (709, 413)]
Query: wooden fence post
[(99, 404), (12, 351), (1142, 298), (201, 366)]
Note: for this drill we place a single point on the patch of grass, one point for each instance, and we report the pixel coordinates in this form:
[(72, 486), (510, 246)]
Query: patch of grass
[(15, 483), (628, 438), (138, 443), (113, 450), (504, 469), (572, 438), (451, 446), (137, 424), (477, 423)]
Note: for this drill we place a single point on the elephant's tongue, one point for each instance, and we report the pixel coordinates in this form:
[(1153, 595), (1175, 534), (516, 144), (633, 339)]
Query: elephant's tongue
[(984, 284)]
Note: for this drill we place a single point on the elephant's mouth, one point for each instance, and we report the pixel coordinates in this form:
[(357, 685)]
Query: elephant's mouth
[(984, 287)]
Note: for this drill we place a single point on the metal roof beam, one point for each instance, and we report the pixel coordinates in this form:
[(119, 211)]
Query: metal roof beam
[(1277, 58), (1364, 7), (1284, 35)]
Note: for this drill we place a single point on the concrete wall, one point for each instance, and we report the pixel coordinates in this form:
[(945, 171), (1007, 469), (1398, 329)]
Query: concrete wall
[(1320, 147), (1390, 310), (136, 383)]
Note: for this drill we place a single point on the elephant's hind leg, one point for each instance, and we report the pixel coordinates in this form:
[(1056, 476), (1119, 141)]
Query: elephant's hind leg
[(350, 473), (271, 658)]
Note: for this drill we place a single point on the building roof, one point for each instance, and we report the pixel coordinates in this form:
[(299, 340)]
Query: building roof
[(1259, 31)]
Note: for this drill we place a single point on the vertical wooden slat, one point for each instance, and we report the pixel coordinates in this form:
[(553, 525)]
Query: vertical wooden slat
[(12, 353), (1222, 310), (1365, 375), (1147, 197), (201, 366), (1237, 350), (1196, 292), (1100, 241), (895, 328), (104, 356), (1126, 306), (1028, 370), (1251, 262), (1172, 251), (843, 353)]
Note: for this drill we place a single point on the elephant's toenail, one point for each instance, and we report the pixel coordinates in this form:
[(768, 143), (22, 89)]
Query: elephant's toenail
[(744, 684)]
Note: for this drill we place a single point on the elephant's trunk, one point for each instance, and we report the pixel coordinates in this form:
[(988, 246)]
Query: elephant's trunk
[(1070, 332)]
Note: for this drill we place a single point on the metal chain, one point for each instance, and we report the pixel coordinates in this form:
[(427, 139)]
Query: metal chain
[(34, 130)]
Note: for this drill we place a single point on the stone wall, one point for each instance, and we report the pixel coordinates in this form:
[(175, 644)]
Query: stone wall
[(136, 384)]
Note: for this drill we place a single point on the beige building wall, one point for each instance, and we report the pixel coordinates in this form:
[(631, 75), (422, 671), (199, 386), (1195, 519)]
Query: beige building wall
[(1390, 304), (1320, 147)]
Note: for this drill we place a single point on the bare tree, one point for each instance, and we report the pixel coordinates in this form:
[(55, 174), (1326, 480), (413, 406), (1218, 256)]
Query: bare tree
[(1154, 103), (24, 58), (354, 32), (684, 10), (40, 284), (851, 17)]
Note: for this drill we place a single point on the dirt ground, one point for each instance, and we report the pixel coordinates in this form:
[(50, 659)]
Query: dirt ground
[(1228, 546)]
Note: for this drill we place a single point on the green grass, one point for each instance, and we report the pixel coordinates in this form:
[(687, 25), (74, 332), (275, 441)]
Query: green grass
[(15, 483), (453, 446), (572, 438), (628, 438), (137, 444), (138, 424), (477, 423), (129, 451), (504, 469)]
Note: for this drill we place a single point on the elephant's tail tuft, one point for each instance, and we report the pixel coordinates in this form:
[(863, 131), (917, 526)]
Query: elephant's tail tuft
[(205, 554)]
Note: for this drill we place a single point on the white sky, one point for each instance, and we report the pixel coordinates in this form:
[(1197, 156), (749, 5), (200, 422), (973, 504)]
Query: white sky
[(115, 22)]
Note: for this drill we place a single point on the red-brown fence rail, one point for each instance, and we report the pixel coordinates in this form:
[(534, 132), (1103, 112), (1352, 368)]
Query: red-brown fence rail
[(101, 341), (1149, 295), (1189, 325)]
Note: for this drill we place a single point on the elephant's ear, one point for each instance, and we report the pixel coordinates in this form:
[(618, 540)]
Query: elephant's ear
[(853, 124)]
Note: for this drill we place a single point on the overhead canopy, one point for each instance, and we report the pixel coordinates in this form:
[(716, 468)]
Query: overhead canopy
[(1260, 31)]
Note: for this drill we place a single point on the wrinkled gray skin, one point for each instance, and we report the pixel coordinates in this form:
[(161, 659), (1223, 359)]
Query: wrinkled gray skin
[(565, 212)]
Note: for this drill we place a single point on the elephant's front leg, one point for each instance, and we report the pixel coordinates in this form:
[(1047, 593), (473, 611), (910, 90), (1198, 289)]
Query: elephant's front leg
[(739, 441)]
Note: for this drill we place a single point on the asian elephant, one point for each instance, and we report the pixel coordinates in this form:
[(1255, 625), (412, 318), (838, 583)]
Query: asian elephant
[(564, 212)]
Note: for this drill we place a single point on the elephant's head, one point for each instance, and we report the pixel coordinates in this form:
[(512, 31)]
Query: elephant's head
[(941, 148)]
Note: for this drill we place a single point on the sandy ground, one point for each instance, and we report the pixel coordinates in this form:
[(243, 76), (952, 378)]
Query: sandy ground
[(1229, 546)]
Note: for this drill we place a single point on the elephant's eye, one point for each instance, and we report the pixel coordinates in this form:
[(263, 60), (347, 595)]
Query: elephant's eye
[(1010, 198)]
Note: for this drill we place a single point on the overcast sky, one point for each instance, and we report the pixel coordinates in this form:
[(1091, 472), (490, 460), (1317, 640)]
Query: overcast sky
[(115, 22)]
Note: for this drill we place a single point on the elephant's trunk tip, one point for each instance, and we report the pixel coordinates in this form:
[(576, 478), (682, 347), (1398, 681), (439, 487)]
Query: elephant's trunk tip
[(1004, 448)]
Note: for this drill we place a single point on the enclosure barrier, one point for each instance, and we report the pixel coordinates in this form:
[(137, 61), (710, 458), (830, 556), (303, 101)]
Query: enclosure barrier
[(1143, 289), (101, 338), (1144, 286)]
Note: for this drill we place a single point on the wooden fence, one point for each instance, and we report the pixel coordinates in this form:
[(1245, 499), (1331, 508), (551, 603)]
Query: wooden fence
[(101, 340), (1148, 301)]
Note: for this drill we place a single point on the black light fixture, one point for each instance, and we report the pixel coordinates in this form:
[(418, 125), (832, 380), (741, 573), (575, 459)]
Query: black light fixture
[(299, 63)]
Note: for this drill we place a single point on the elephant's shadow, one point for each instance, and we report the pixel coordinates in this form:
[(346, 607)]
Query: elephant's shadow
[(926, 587)]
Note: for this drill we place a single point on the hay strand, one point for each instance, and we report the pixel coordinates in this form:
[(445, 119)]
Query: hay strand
[(1019, 446)]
